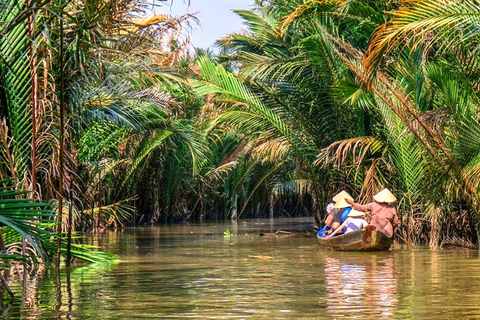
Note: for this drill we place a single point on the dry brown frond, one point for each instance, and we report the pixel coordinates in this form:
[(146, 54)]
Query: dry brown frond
[(302, 187), (148, 21), (370, 184), (415, 22), (242, 148), (402, 106), (6, 144), (458, 242), (436, 119), (299, 11), (353, 150)]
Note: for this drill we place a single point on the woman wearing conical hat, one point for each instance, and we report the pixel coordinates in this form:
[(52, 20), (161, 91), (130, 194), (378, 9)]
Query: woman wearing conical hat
[(337, 208), (335, 212), (383, 214)]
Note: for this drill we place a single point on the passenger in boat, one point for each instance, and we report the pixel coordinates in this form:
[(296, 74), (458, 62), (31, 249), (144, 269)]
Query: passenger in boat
[(336, 215), (383, 214), (343, 210), (355, 221)]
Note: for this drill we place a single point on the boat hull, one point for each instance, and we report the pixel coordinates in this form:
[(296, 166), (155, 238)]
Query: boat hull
[(368, 239)]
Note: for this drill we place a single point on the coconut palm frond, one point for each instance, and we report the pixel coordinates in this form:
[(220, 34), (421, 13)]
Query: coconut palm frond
[(23, 216), (263, 26), (218, 81), (467, 153), (244, 169), (259, 183), (153, 143), (370, 185), (101, 140), (430, 22), (258, 67), (219, 173), (89, 253), (409, 160), (15, 72), (116, 213), (301, 10), (299, 187)]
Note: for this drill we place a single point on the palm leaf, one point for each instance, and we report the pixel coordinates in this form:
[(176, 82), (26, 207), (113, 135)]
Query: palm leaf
[(259, 183), (446, 22), (219, 81), (153, 143), (15, 72), (23, 215)]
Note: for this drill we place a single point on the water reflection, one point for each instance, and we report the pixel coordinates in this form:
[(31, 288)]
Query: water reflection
[(361, 285)]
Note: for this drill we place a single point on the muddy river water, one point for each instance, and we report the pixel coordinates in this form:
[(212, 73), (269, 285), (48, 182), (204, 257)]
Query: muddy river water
[(228, 270)]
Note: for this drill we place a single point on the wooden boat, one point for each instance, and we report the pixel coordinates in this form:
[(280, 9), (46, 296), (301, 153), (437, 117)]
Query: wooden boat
[(368, 239)]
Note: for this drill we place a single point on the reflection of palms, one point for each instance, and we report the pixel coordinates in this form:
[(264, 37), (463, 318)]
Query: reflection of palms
[(345, 284)]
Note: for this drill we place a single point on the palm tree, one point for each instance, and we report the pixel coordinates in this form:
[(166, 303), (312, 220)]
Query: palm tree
[(444, 34)]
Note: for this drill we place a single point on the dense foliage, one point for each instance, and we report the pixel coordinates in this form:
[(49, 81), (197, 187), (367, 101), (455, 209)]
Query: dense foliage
[(365, 95)]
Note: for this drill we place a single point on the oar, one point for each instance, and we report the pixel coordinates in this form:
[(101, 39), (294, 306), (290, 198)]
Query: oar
[(404, 240)]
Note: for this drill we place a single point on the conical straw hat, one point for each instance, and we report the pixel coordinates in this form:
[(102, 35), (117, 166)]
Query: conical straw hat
[(341, 204), (342, 194), (356, 213), (385, 196)]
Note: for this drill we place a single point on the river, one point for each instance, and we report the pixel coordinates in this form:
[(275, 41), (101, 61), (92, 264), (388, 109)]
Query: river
[(229, 271)]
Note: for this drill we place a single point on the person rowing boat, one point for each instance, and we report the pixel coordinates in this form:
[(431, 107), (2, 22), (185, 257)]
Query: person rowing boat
[(383, 214)]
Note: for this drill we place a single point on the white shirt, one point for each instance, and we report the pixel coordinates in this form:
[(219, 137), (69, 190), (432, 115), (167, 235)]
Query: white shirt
[(352, 224)]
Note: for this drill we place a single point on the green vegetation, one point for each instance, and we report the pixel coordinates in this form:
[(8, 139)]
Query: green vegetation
[(313, 97), (361, 95)]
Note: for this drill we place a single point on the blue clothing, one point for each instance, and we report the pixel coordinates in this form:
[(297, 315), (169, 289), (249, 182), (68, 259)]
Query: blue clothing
[(345, 214)]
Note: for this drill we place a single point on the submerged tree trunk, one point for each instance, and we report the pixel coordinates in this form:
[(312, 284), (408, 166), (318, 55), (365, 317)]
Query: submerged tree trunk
[(234, 207), (271, 206), (156, 207)]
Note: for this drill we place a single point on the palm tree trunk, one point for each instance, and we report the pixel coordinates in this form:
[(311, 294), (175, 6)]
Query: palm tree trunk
[(5, 284), (61, 151), (272, 203), (70, 225), (33, 95), (234, 215)]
